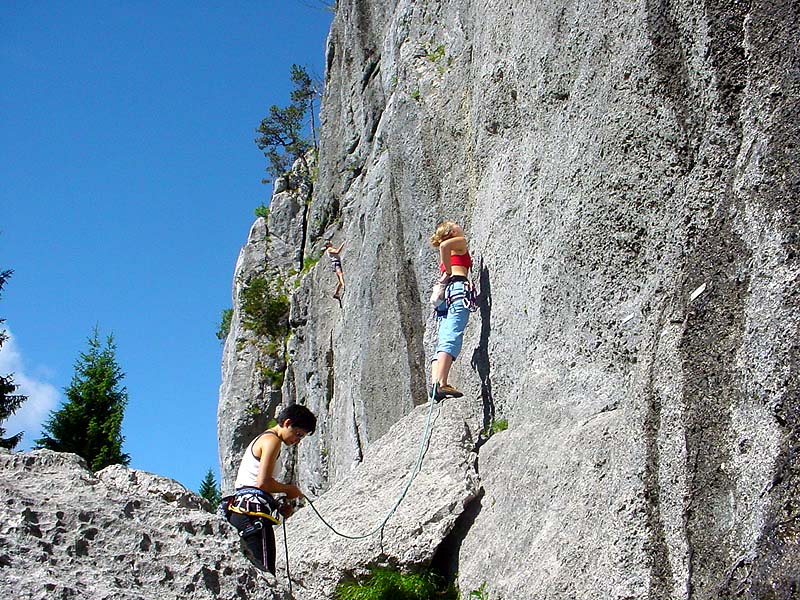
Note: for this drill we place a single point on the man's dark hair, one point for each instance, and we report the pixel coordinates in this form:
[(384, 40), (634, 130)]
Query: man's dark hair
[(301, 417)]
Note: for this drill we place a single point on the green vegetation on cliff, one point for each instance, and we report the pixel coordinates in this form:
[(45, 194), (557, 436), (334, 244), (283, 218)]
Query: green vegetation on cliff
[(225, 325), (280, 135), (386, 584), (265, 308)]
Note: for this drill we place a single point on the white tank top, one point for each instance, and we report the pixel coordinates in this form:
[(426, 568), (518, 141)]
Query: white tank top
[(248, 468)]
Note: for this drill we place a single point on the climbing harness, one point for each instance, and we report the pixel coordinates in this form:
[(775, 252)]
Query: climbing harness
[(414, 472), (468, 296), (255, 527), (254, 502)]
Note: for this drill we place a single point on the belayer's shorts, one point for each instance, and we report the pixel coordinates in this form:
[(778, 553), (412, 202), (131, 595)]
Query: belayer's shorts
[(453, 324)]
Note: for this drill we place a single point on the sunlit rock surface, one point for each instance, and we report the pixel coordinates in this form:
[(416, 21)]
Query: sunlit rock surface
[(627, 175), (120, 533)]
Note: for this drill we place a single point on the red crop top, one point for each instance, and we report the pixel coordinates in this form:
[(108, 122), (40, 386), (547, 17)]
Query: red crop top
[(458, 260)]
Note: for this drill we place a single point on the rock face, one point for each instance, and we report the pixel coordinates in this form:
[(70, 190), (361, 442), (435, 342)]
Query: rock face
[(628, 178), (428, 509), (242, 386), (68, 533), (248, 395)]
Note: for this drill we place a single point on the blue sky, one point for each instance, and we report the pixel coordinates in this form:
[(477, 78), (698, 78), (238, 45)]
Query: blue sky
[(130, 177)]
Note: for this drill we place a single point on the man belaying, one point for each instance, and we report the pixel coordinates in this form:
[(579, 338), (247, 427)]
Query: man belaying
[(252, 509)]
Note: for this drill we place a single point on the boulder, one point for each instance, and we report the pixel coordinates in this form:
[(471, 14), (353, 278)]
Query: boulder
[(66, 532), (418, 518)]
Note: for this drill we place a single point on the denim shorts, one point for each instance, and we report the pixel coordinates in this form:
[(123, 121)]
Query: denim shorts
[(453, 324)]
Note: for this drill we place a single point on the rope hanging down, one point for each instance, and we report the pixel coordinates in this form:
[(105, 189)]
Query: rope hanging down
[(402, 495), (286, 551)]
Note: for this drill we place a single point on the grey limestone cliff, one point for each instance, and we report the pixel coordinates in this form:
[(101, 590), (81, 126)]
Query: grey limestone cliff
[(250, 390), (627, 175)]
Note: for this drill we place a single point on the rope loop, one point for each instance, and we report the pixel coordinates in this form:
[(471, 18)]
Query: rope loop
[(414, 472)]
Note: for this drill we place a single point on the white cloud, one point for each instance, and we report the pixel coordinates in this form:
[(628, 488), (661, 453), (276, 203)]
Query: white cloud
[(42, 396)]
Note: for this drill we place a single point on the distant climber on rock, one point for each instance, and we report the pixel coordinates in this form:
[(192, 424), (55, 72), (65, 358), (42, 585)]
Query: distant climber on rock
[(452, 297), (336, 265), (253, 510)]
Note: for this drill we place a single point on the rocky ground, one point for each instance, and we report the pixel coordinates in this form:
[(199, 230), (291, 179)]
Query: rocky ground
[(116, 534)]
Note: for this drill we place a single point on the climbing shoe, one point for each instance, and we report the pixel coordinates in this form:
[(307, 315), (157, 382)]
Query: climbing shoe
[(448, 391), (440, 392)]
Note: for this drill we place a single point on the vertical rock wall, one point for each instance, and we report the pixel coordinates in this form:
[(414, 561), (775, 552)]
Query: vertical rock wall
[(627, 175), (249, 393)]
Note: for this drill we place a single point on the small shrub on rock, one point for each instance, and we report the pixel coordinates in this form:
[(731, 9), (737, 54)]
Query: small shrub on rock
[(386, 584), (265, 309)]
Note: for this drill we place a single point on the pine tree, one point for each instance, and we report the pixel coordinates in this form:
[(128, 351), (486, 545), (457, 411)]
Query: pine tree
[(303, 96), (9, 401), (280, 135), (89, 424), (281, 139), (209, 489)]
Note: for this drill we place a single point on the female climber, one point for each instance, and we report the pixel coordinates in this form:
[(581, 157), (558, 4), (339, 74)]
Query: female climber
[(336, 265), (252, 509), (453, 313)]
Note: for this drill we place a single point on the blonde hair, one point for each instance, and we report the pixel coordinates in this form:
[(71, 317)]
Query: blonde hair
[(444, 231)]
